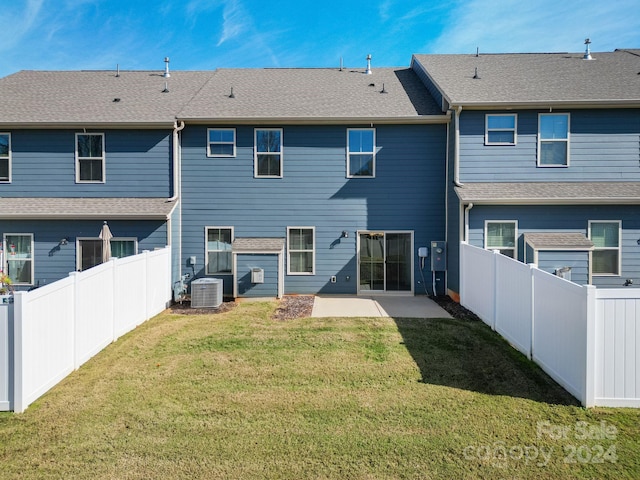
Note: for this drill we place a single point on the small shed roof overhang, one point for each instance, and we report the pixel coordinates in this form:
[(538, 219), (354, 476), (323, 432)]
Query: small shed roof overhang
[(558, 241)]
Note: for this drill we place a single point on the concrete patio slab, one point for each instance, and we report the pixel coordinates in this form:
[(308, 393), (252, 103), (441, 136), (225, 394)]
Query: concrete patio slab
[(376, 306)]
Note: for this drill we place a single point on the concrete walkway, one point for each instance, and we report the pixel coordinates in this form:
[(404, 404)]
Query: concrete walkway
[(378, 306)]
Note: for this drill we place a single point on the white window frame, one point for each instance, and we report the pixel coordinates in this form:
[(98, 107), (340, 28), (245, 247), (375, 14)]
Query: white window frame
[(209, 143), (127, 239), (564, 140), (514, 129), (618, 248), (373, 153), (206, 249), (256, 152), (503, 247), (79, 159), (7, 158), (290, 250), (30, 258)]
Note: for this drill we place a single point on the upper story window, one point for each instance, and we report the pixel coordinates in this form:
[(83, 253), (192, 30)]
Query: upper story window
[(219, 259), (361, 152), (18, 249), (500, 129), (90, 166), (605, 257), (268, 153), (502, 235), (221, 142), (553, 140), (5, 157), (300, 250)]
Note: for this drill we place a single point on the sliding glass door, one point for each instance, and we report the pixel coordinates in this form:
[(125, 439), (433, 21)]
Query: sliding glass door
[(385, 262)]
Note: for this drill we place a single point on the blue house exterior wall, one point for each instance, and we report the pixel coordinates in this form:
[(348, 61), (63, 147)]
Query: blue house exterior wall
[(407, 194), (138, 164), (604, 146), (269, 263), (53, 261), (551, 260), (568, 218)]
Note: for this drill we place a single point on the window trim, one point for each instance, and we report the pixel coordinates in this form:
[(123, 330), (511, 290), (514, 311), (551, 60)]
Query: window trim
[(256, 153), (8, 159), (515, 237), (565, 140), (209, 143), (206, 249), (102, 158), (618, 248), (5, 265), (514, 129), (127, 239), (290, 250), (373, 153)]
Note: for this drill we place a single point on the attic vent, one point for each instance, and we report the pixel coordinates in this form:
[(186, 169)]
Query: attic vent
[(166, 67), (116, 100), (587, 51), (368, 71)]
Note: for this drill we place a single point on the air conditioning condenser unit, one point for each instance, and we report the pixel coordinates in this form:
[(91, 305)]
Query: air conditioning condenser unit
[(206, 293)]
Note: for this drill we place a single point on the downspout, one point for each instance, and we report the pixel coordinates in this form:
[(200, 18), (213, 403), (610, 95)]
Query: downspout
[(456, 155), (466, 221), (176, 161)]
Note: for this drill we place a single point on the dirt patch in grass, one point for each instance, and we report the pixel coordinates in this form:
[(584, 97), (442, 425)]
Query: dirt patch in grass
[(294, 306), (184, 308)]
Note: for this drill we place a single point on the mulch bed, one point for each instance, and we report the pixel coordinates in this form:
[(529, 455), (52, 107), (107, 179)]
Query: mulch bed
[(454, 309)]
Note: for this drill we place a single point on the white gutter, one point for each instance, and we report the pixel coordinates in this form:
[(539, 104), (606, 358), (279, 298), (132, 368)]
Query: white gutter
[(176, 161), (466, 221), (456, 156)]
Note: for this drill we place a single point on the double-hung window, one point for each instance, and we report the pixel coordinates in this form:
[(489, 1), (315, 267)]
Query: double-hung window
[(361, 153), (90, 166), (268, 153), (502, 235), (553, 140), (221, 142), (500, 129), (605, 257), (5, 157), (300, 250), (18, 248), (218, 246)]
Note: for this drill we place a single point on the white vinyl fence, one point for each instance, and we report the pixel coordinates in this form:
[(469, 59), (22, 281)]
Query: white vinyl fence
[(58, 327), (587, 339)]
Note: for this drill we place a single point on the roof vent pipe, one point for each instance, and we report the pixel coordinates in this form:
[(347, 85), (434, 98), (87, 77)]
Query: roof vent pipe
[(117, 69), (587, 51), (368, 72), (166, 67)]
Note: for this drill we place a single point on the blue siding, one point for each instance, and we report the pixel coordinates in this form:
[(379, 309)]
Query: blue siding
[(550, 261), (269, 263), (53, 261), (408, 193), (567, 219), (604, 145), (138, 164)]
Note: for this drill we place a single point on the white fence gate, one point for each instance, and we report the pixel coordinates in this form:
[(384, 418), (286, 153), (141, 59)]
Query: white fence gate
[(58, 327), (586, 339)]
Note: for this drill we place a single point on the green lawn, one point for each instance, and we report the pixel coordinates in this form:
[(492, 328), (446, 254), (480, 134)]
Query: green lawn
[(239, 395)]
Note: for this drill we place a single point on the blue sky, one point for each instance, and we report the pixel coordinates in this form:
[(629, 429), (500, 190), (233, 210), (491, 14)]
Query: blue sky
[(208, 34)]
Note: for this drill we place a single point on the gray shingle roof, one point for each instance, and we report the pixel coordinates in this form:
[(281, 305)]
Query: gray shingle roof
[(559, 241), (85, 208), (551, 193), (536, 78), (89, 97), (258, 244), (318, 94)]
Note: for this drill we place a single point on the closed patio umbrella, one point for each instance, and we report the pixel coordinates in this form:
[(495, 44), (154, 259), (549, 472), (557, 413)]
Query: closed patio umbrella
[(106, 236)]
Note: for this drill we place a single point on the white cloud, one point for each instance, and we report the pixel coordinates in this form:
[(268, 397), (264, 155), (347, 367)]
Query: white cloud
[(545, 25), (235, 21)]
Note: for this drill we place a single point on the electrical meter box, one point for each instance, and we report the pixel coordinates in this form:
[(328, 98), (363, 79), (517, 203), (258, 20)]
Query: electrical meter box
[(257, 275), (438, 257)]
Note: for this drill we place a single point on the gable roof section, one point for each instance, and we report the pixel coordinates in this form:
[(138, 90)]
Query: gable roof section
[(322, 95), (536, 79), (551, 193), (86, 208), (71, 98)]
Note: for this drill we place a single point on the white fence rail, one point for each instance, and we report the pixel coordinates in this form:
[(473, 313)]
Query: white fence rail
[(586, 339), (58, 327)]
